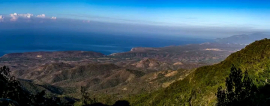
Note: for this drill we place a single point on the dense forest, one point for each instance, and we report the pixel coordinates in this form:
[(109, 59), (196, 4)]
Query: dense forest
[(241, 90)]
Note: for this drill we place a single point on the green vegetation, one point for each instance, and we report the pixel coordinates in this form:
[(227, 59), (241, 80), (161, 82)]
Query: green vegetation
[(242, 91), (200, 87), (35, 88), (238, 90), (13, 93)]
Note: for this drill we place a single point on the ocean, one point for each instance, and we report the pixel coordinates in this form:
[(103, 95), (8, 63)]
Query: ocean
[(21, 40), (74, 35)]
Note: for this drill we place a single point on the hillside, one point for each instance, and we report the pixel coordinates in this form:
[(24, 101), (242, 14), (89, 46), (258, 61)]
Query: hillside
[(189, 57), (101, 79), (199, 87), (120, 75)]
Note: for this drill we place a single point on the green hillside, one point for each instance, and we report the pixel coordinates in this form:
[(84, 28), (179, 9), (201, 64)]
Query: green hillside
[(200, 86)]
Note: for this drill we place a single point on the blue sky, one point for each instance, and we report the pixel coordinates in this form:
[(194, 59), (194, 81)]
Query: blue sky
[(249, 14)]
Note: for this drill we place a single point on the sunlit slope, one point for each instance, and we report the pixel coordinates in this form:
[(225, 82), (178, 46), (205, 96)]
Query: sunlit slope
[(200, 86)]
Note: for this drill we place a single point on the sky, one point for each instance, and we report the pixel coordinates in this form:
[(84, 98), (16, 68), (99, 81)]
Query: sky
[(249, 15)]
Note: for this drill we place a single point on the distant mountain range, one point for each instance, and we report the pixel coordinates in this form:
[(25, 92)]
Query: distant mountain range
[(243, 39)]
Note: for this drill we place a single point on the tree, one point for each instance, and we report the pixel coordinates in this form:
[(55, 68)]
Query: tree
[(239, 90), (13, 93), (86, 100), (11, 89)]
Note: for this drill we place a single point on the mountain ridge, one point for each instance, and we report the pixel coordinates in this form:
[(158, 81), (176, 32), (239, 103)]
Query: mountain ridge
[(243, 39), (199, 87)]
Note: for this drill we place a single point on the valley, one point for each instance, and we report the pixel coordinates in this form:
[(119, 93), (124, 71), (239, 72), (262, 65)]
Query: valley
[(121, 75)]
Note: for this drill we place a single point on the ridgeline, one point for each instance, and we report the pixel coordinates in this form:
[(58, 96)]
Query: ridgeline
[(200, 87)]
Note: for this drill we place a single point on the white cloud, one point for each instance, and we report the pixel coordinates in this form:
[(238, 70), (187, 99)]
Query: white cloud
[(14, 17), (1, 18), (54, 18), (41, 16), (28, 15)]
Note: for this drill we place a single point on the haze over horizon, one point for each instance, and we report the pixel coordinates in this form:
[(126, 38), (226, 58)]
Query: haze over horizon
[(208, 18)]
